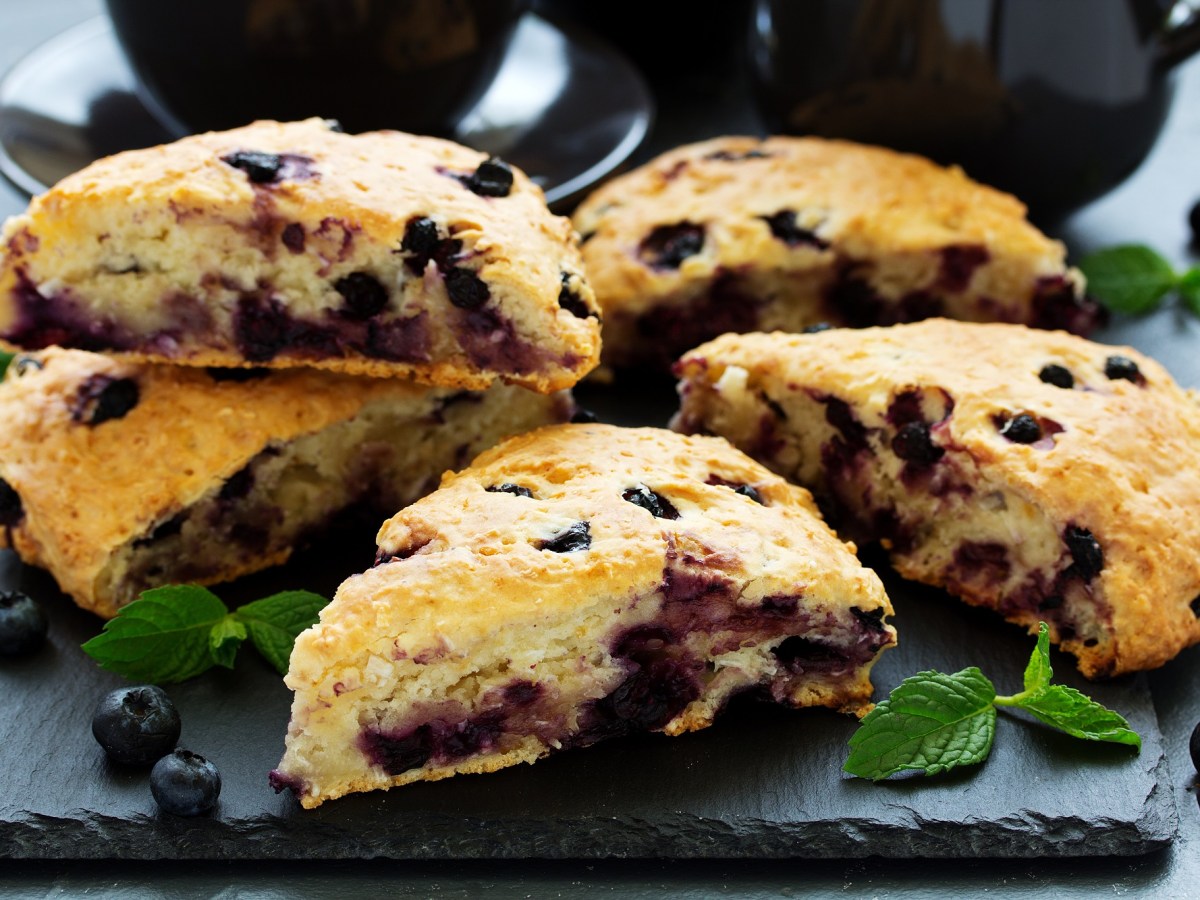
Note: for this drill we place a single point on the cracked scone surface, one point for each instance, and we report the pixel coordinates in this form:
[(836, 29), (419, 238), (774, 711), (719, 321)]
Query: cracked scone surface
[(284, 244), (1036, 473), (119, 476), (739, 234), (576, 583)]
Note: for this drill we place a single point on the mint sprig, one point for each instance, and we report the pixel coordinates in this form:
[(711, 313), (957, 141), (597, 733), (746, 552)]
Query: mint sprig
[(6, 357), (1134, 279), (176, 632), (933, 722)]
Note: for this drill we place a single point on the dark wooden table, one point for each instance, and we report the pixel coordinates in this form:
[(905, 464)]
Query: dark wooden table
[(1151, 207)]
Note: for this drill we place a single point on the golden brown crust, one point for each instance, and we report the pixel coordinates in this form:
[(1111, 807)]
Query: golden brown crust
[(880, 237), (1124, 466), (152, 251), (468, 598), (87, 490)]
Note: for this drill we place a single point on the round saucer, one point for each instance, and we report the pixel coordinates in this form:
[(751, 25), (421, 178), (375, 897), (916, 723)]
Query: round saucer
[(565, 107)]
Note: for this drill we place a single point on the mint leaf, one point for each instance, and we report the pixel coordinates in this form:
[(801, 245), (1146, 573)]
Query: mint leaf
[(161, 637), (1188, 287), (1130, 278), (1078, 715), (274, 623), (1038, 673), (5, 359), (929, 723), (224, 639)]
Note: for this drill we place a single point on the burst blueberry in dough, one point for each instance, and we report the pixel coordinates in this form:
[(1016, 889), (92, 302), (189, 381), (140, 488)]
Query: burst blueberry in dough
[(292, 244), (576, 583), (1034, 473), (738, 234), (119, 476)]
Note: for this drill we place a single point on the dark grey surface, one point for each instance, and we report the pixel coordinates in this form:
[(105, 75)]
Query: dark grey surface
[(1151, 207), (765, 782)]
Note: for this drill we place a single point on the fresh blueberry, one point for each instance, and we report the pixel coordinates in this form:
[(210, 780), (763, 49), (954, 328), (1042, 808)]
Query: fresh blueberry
[(11, 511), (572, 302), (1086, 552), (577, 537), (667, 246), (1021, 429), (102, 398), (1194, 745), (1122, 367), (23, 624), (1059, 376), (185, 783), (509, 488), (783, 226), (466, 289), (259, 167), (583, 416), (365, 296), (655, 504), (913, 444), (816, 328), (136, 726)]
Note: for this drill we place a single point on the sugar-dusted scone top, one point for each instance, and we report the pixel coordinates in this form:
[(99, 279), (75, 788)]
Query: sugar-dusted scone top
[(193, 253), (1086, 520), (471, 616), (110, 467), (742, 234)]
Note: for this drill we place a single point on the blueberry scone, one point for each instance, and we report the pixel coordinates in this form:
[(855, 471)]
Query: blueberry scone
[(576, 583), (295, 244), (740, 234), (1036, 473), (119, 476)]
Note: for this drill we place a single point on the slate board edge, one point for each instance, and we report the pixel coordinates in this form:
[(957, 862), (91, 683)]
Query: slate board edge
[(94, 836)]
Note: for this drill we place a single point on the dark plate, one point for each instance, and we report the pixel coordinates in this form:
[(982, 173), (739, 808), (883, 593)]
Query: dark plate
[(564, 107)]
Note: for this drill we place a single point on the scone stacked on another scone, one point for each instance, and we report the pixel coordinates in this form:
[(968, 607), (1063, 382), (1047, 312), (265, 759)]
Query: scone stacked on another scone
[(273, 251), (1042, 475), (576, 583), (295, 244), (120, 476), (739, 234)]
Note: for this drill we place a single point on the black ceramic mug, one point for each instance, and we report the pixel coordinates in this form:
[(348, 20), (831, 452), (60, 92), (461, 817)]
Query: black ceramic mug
[(413, 65), (1056, 101)]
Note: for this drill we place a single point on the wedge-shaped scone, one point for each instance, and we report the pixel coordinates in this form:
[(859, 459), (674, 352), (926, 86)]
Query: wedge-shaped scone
[(294, 244), (576, 583), (741, 234), (1039, 474), (121, 476)]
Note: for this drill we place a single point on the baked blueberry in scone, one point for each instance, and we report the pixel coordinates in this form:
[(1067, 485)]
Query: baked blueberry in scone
[(295, 244), (119, 476), (576, 583), (740, 234), (1036, 473)]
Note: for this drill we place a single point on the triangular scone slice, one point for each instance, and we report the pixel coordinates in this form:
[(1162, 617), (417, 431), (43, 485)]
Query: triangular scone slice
[(294, 244), (119, 476), (1042, 475), (745, 234), (576, 583)]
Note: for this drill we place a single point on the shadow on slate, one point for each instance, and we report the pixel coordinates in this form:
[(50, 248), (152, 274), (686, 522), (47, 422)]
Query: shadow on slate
[(763, 782)]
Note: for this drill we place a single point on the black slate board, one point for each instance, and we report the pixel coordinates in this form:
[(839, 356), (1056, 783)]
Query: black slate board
[(764, 782)]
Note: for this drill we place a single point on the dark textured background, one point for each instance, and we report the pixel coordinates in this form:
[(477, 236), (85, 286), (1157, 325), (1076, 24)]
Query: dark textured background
[(1150, 207)]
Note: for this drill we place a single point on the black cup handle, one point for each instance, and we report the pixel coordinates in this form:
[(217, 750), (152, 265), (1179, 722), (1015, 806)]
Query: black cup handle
[(1180, 36)]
